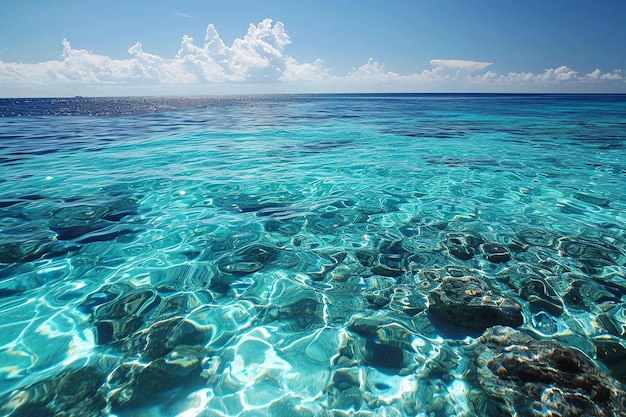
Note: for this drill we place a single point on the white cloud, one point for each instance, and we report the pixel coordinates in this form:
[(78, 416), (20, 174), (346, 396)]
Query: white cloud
[(561, 73), (598, 75), (260, 58), (463, 75), (373, 70), (460, 64), (594, 75), (550, 75), (257, 57), (295, 72)]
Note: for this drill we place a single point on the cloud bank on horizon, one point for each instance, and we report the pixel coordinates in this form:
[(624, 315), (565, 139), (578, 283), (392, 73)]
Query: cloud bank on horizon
[(259, 58)]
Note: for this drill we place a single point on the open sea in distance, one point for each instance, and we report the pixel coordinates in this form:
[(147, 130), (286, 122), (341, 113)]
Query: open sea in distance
[(364, 255)]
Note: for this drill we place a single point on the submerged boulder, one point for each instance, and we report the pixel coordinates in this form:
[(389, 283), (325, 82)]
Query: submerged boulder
[(71, 393), (137, 383), (249, 259), (612, 352), (305, 313), (470, 303), (516, 375), (463, 246), (537, 237), (388, 340), (533, 283), (495, 253), (592, 255)]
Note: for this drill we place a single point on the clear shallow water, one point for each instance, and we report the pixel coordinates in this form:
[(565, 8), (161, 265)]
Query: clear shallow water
[(313, 255)]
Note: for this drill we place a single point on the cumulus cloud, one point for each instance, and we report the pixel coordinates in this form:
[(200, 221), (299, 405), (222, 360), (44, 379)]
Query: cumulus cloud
[(598, 75), (464, 75), (562, 74), (373, 70), (260, 57), (314, 71), (257, 57)]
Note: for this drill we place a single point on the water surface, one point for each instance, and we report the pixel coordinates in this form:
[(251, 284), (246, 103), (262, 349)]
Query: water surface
[(315, 255)]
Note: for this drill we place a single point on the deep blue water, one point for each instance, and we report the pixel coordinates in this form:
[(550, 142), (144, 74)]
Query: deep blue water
[(314, 255)]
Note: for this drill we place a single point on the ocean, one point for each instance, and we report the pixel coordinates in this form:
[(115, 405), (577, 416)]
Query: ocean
[(313, 255)]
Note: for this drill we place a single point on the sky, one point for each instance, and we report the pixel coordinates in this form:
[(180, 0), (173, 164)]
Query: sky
[(204, 47)]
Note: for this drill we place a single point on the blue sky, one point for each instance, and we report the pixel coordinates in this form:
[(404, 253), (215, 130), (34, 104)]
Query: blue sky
[(139, 47)]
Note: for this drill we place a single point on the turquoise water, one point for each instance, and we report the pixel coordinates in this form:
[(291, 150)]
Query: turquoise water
[(312, 255)]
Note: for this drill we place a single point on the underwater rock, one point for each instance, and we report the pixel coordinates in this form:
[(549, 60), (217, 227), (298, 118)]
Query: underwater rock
[(572, 291), (344, 391), (531, 283), (538, 237), (613, 319), (408, 299), (64, 227), (17, 250), (71, 393), (284, 227), (306, 313), (122, 316), (384, 329), (75, 221), (386, 341), (376, 289), (347, 270), (104, 295), (133, 302), (160, 338), (120, 208), (119, 320), (540, 294), (17, 283), (29, 241), (277, 212), (188, 277), (380, 291), (463, 246), (439, 369), (389, 265), (438, 386), (544, 323), (85, 222), (366, 257), (135, 383), (590, 294), (470, 303), (391, 245), (325, 261), (384, 356), (612, 352), (495, 253), (248, 259), (113, 331), (516, 375), (181, 303), (592, 255)]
